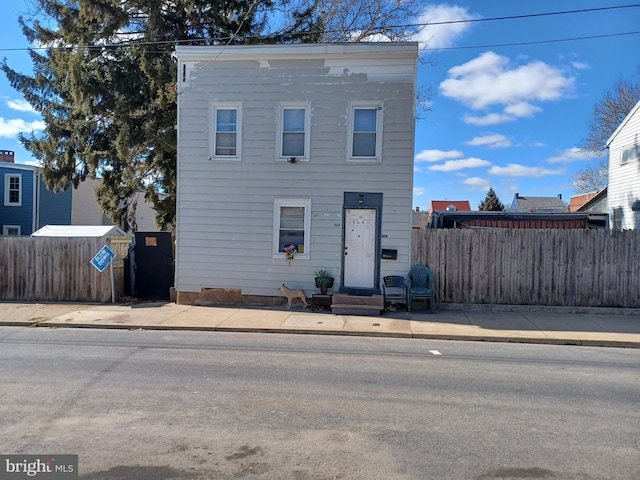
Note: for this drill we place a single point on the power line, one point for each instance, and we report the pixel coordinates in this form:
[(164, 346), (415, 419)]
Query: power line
[(425, 24), (531, 15), (534, 42)]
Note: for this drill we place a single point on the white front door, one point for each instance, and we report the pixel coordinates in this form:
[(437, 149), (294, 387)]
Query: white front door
[(359, 247)]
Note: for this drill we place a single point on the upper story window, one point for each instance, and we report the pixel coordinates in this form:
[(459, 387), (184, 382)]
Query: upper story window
[(365, 132), (629, 154), (226, 135), (293, 130), (12, 190)]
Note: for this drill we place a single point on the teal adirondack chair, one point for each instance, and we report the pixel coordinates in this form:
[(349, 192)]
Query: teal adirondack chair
[(420, 286)]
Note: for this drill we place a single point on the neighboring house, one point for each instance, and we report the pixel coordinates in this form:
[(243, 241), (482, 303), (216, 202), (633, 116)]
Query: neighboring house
[(623, 198), (309, 145), (85, 209), (450, 205), (596, 203), (26, 203), (419, 219), (537, 204), (516, 220), (577, 201)]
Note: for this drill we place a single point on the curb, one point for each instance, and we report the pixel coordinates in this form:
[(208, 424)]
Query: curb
[(354, 333)]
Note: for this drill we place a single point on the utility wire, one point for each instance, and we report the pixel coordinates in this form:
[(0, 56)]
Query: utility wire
[(531, 15), (425, 24), (533, 42)]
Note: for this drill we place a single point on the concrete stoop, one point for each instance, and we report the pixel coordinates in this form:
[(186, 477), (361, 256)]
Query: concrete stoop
[(343, 304)]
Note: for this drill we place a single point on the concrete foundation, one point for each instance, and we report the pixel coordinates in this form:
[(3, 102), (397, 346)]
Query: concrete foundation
[(212, 297)]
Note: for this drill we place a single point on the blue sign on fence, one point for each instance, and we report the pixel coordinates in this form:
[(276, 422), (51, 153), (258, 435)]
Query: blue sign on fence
[(103, 258)]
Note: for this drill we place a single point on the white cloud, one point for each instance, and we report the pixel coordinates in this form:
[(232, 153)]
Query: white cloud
[(490, 79), (516, 170), (491, 141), (575, 155), (442, 36), (522, 109), (437, 155), (511, 113), (11, 128), (453, 165), (490, 119), (20, 105), (477, 183), (580, 65), (418, 191), (33, 163)]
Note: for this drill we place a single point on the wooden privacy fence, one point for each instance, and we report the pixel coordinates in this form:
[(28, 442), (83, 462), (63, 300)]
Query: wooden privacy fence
[(580, 268), (38, 269)]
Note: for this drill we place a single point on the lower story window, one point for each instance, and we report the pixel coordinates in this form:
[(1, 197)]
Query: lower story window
[(616, 220), (11, 230), (292, 225)]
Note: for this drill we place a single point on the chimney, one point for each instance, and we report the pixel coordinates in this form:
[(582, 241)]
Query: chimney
[(560, 196), (516, 195), (7, 156), (417, 209)]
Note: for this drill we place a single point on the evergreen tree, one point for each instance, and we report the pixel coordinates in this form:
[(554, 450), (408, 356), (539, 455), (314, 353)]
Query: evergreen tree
[(491, 202), (104, 80), (104, 85)]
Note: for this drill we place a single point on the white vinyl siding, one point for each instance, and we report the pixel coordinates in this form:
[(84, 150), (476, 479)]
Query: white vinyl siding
[(624, 173), (629, 154), (227, 232), (12, 190), (365, 131), (292, 226), (293, 130), (226, 131)]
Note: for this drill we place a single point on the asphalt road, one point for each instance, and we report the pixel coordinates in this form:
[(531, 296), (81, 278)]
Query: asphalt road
[(151, 405)]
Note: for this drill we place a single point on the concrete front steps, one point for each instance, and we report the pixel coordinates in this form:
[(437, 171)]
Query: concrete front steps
[(343, 304)]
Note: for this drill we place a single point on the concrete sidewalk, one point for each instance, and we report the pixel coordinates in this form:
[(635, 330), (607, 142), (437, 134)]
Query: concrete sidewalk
[(484, 323)]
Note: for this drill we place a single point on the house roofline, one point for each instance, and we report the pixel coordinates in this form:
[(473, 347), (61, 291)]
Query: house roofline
[(596, 198), (19, 166), (622, 124), (302, 50)]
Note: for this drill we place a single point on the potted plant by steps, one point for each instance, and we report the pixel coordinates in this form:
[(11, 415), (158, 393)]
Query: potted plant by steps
[(324, 281)]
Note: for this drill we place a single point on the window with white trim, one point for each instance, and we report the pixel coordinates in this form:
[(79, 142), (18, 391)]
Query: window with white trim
[(616, 219), (291, 225), (11, 230), (629, 154), (365, 132), (226, 135), (293, 130), (12, 190)]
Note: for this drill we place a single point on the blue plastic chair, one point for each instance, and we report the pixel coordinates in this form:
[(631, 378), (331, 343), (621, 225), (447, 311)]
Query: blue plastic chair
[(394, 290), (420, 286)]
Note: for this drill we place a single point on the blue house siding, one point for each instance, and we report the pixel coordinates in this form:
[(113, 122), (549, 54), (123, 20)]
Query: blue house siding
[(54, 208), (21, 215), (48, 208)]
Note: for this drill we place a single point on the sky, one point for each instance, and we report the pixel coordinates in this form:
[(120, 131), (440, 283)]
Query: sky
[(510, 104)]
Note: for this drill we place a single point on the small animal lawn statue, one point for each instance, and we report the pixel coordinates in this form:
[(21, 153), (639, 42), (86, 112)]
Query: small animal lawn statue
[(291, 294)]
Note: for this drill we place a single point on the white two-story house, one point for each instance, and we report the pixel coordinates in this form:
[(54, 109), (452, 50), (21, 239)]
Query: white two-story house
[(623, 191), (305, 148)]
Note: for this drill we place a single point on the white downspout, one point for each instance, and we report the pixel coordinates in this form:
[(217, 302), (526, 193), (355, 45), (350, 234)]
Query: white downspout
[(36, 201)]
